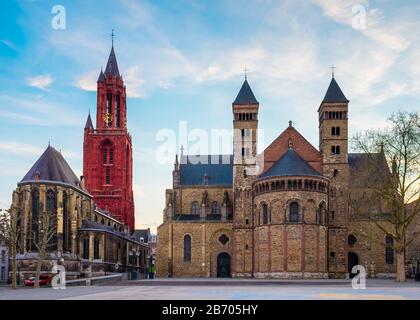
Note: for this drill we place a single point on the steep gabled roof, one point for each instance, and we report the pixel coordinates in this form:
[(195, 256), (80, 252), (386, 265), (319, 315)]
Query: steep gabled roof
[(206, 170), (334, 93), (367, 170), (245, 95), (290, 164), (281, 144), (52, 166), (112, 65)]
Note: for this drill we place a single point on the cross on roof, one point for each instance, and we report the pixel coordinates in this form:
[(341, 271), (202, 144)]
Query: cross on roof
[(333, 67), (112, 37), (246, 73)]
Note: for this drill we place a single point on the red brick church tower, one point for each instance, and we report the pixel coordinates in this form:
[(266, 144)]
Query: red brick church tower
[(107, 150)]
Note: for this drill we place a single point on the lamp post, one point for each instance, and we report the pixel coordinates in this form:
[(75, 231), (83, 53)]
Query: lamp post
[(133, 254)]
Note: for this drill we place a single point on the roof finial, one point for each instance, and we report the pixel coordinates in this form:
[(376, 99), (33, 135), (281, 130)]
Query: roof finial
[(48, 142), (290, 123), (182, 150), (112, 37), (246, 73), (333, 67)]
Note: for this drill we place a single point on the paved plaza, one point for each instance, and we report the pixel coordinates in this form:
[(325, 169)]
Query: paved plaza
[(217, 289)]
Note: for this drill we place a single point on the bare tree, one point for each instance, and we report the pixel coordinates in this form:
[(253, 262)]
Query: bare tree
[(47, 240), (399, 147), (9, 231)]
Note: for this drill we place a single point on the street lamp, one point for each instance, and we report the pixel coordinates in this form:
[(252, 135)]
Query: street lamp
[(133, 254)]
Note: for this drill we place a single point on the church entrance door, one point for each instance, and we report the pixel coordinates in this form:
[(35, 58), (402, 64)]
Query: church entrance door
[(223, 265), (353, 260)]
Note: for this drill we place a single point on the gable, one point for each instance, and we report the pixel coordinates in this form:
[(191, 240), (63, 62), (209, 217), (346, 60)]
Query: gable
[(302, 147)]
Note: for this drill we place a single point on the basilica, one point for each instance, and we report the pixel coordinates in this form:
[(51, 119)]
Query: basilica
[(284, 213)]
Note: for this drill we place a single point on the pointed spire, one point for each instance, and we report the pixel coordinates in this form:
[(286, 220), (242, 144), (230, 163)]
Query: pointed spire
[(112, 65), (101, 76), (89, 124), (176, 164), (334, 93), (245, 95)]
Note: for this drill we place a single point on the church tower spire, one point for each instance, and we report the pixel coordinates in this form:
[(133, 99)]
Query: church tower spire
[(107, 150), (245, 124), (333, 145)]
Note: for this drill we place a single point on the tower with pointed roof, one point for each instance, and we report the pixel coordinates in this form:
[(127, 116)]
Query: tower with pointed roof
[(333, 145), (107, 149), (245, 125)]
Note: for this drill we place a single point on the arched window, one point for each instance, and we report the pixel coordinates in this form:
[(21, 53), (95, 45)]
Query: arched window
[(108, 106), (107, 160), (85, 248), (52, 209), (195, 208), (294, 212), (117, 110), (333, 131), (389, 250), (215, 208), (265, 214), (187, 248), (337, 131), (66, 223), (35, 219), (96, 248)]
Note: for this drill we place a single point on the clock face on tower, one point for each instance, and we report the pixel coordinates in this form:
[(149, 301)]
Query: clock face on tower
[(108, 118)]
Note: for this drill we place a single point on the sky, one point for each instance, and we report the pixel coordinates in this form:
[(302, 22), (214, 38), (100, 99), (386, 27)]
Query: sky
[(183, 63)]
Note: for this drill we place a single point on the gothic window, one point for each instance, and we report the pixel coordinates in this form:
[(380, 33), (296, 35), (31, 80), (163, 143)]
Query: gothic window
[(111, 156), (294, 212), (66, 223), (265, 213), (35, 219), (108, 105), (215, 208), (195, 209), (85, 248), (389, 250), (52, 209), (117, 110), (107, 159), (96, 249), (187, 248)]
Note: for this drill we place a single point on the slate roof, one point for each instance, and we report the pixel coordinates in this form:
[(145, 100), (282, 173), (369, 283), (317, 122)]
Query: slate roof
[(142, 233), (52, 166), (101, 77), (245, 95), (89, 124), (363, 174), (334, 93), (112, 65), (89, 225), (290, 164), (217, 168)]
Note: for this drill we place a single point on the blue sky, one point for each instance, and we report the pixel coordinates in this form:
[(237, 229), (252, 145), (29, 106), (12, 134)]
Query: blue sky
[(183, 60)]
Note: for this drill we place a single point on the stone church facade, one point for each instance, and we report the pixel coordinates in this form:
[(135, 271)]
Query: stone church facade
[(92, 217), (284, 213)]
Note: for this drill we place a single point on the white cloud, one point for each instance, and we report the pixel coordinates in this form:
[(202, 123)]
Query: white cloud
[(87, 81), (19, 148), (41, 82)]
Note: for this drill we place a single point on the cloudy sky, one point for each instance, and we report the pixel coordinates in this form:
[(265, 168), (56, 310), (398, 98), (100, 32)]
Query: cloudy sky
[(184, 60)]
